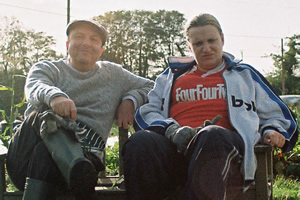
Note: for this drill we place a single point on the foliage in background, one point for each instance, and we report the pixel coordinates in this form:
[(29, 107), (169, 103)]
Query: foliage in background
[(142, 40), (112, 151), (290, 61), (112, 159), (288, 163), (19, 50), (9, 119)]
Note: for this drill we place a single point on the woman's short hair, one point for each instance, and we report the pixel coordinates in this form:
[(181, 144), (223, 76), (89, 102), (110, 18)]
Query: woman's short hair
[(202, 20)]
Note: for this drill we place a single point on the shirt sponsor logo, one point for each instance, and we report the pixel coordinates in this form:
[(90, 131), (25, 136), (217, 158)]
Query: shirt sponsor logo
[(239, 103), (200, 93)]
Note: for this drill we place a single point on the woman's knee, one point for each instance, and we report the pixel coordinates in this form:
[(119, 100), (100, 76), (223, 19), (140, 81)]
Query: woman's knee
[(138, 141), (214, 132), (141, 135), (142, 138), (145, 143)]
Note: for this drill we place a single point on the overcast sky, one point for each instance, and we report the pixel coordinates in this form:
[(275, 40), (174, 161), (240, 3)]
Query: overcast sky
[(252, 28)]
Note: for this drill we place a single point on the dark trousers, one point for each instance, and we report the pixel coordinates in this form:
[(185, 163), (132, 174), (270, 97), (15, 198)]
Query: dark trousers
[(29, 157), (211, 168)]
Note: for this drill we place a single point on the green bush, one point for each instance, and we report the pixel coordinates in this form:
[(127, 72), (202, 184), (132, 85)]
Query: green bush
[(10, 118), (112, 159), (288, 163)]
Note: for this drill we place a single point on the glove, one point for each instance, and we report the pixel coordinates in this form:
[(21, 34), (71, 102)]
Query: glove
[(180, 136), (208, 122)]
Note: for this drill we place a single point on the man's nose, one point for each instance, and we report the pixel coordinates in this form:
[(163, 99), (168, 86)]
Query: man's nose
[(86, 41)]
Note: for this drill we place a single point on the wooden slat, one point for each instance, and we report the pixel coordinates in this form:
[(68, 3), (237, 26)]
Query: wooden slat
[(13, 195), (110, 181), (123, 136), (263, 171), (261, 176)]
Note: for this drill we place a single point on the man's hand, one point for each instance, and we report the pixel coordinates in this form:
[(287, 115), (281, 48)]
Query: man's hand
[(274, 139), (64, 107), (180, 136), (125, 113)]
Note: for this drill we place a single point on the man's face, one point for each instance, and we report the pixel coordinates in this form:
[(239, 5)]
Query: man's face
[(206, 43), (84, 46)]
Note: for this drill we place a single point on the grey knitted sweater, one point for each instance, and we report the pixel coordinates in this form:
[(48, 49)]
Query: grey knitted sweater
[(96, 93)]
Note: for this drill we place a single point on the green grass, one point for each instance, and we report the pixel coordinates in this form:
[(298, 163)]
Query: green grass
[(286, 188)]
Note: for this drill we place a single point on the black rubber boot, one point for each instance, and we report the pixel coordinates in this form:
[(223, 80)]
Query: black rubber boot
[(39, 190), (78, 171)]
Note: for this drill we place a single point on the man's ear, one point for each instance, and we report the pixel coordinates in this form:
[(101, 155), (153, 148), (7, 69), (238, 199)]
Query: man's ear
[(102, 50), (67, 45)]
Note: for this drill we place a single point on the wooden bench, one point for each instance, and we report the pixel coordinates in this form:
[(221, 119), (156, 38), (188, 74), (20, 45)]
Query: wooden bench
[(261, 190)]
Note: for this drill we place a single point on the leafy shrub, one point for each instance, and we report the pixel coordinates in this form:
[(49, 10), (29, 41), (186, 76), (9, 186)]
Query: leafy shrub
[(10, 120), (112, 159), (288, 163)]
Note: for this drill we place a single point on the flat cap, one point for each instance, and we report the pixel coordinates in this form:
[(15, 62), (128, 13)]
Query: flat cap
[(98, 27)]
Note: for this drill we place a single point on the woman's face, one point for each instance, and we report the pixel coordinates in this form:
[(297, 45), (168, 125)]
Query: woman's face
[(206, 43)]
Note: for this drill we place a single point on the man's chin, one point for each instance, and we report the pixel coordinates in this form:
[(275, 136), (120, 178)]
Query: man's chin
[(84, 59)]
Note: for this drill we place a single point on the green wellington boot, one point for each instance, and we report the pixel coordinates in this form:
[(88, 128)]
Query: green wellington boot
[(39, 190), (78, 171)]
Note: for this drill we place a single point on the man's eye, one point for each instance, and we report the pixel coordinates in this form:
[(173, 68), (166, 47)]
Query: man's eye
[(198, 44), (95, 39), (77, 37)]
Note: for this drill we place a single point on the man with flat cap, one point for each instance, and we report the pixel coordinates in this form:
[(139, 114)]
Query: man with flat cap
[(72, 104)]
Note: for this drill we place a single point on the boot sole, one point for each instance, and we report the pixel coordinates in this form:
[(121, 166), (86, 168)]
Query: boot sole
[(83, 177)]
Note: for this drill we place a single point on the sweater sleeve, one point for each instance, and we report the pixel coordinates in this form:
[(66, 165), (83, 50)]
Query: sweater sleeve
[(40, 84), (133, 86)]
